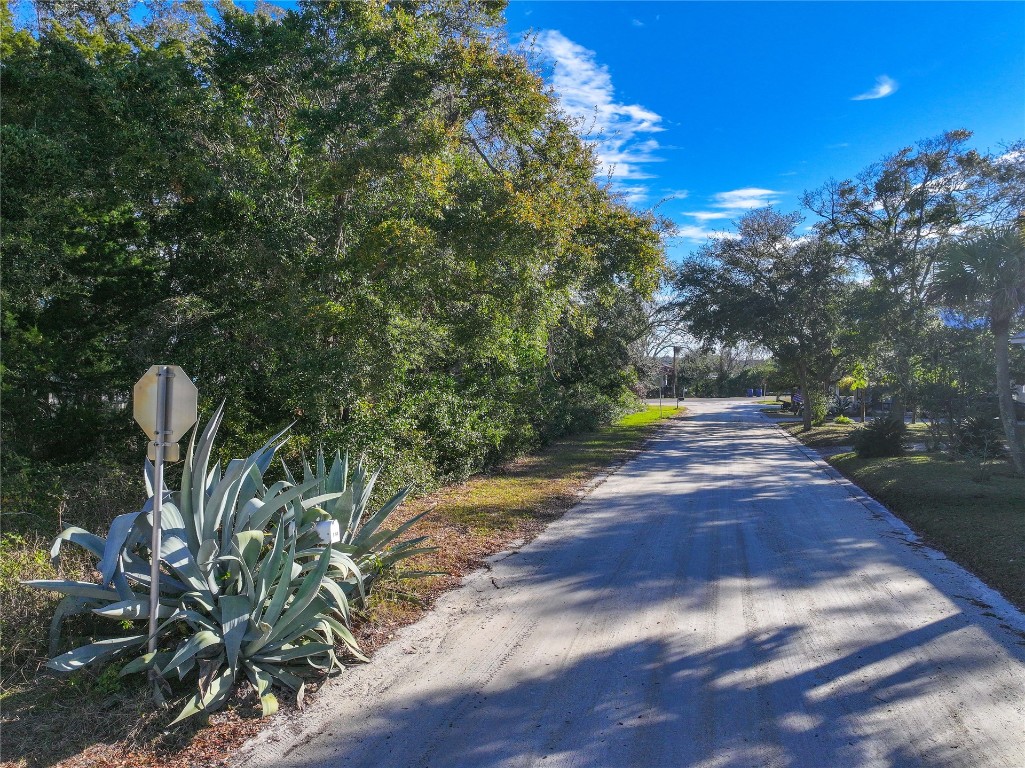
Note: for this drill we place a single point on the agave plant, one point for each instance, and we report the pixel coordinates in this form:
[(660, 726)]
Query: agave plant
[(250, 587), (342, 494)]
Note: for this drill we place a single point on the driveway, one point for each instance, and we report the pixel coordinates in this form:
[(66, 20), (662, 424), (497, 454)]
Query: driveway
[(722, 600)]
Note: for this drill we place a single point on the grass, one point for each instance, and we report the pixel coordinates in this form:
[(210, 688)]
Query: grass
[(831, 434), (93, 718), (979, 525)]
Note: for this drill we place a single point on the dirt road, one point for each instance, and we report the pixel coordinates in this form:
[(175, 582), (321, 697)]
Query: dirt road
[(720, 601)]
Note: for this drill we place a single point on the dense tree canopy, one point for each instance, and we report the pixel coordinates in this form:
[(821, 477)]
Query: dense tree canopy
[(892, 220), (368, 217), (984, 277)]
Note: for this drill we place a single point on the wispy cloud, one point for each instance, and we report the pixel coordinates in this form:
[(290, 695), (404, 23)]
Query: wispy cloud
[(744, 199), (710, 215), (725, 206), (884, 87), (584, 87), (637, 22), (699, 234)]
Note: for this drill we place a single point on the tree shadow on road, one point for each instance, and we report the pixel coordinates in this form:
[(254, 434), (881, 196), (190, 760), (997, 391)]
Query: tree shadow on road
[(654, 703)]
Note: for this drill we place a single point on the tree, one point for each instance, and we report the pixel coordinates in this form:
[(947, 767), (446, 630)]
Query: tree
[(893, 219), (773, 289), (369, 218), (99, 155), (985, 277), (857, 381)]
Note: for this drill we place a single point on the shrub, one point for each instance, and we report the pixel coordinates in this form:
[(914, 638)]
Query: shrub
[(880, 437), (979, 436), (23, 611), (843, 420), (250, 587), (819, 408)]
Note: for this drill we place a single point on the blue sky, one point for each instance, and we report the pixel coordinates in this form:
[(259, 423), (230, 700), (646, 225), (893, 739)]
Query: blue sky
[(732, 105)]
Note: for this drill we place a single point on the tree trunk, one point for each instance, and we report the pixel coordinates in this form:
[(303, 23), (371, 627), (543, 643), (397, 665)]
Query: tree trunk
[(897, 407), (864, 403), (1001, 333)]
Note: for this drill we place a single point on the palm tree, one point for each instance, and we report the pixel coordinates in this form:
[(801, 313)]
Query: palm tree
[(985, 277)]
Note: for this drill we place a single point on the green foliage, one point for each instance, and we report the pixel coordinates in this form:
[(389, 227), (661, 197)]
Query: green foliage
[(22, 620), (251, 589), (843, 420), (857, 379), (771, 288), (366, 218), (985, 277), (980, 436), (879, 438), (819, 406)]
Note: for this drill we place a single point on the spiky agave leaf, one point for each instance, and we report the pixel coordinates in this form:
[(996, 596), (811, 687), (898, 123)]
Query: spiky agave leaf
[(265, 607)]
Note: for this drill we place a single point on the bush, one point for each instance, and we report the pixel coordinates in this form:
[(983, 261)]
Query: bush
[(24, 612), (979, 436), (819, 408), (880, 437), (843, 420), (841, 405)]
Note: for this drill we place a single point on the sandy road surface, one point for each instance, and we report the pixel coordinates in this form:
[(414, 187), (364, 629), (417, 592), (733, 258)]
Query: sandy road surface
[(720, 601)]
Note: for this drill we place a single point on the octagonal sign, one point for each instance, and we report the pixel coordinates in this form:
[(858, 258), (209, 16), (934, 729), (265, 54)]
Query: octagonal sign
[(182, 403)]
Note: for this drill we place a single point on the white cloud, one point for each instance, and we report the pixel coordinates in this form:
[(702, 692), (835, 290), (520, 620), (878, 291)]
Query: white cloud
[(1009, 158), (637, 22), (700, 234), (883, 88), (744, 199), (675, 194), (727, 205), (709, 215), (586, 93), (634, 194)]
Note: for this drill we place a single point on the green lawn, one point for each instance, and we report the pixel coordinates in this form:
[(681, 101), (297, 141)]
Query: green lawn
[(831, 434), (980, 525)]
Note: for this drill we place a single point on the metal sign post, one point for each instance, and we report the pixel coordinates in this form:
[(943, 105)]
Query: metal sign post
[(165, 406), (164, 375)]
